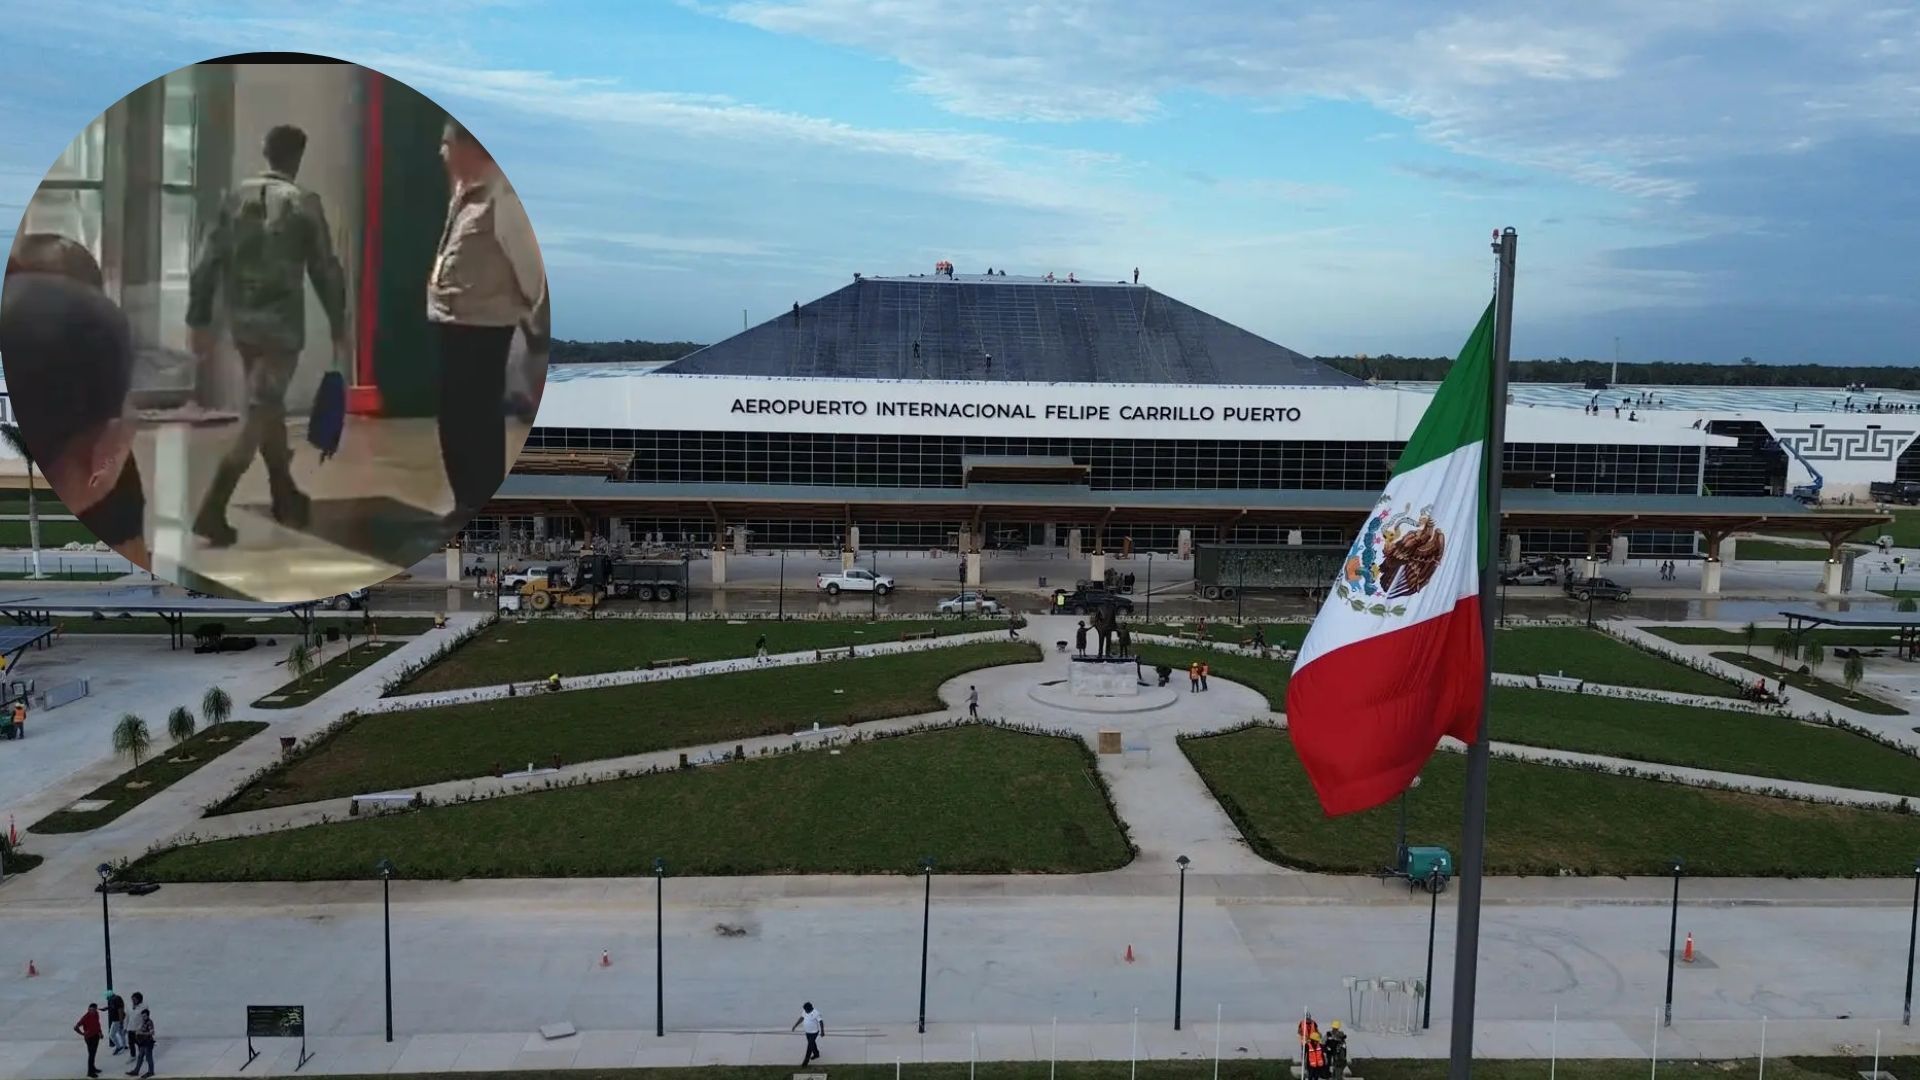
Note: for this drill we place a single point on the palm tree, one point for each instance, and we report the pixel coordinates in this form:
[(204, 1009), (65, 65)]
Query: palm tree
[(180, 724), (1782, 646), (16, 440), (1855, 670), (1816, 655), (216, 706), (300, 661), (1749, 634), (130, 738)]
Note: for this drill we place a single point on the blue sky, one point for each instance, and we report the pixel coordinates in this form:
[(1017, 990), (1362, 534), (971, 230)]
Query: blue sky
[(1707, 180)]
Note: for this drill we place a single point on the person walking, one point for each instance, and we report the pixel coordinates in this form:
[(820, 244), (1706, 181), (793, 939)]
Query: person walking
[(88, 1028), (1205, 669), (973, 702), (1193, 677), (760, 649), (19, 719), (268, 235), (812, 1026), (1308, 1031), (116, 1022), (142, 1043), (487, 281)]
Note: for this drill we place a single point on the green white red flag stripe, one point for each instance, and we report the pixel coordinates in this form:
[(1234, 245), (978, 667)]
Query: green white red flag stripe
[(1396, 658)]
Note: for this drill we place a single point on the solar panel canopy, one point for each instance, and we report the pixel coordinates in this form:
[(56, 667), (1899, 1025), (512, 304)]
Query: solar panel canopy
[(1006, 329)]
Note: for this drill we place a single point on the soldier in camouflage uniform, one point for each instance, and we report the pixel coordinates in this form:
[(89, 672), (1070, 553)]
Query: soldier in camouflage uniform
[(269, 236)]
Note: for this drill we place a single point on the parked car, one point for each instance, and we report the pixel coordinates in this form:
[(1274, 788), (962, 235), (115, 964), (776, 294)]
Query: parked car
[(970, 603), (1081, 601), (1529, 575), (855, 580), (1602, 588)]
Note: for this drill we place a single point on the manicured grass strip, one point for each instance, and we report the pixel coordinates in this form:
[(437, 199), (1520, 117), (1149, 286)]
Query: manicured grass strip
[(1747, 744), (15, 502), (1713, 635), (534, 649), (270, 626), (1595, 657), (1545, 818), (1269, 677), (1812, 685), (876, 807), (157, 773), (398, 751), (1230, 1068), (14, 860), (53, 534), (1779, 551), (340, 664)]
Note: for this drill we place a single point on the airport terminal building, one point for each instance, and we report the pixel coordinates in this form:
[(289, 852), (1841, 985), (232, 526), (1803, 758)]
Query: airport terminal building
[(942, 410)]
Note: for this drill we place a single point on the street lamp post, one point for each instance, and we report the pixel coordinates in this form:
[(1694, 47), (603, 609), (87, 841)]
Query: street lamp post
[(1913, 933), (659, 939), (686, 582), (873, 594), (1240, 595), (385, 869), (1180, 942), (783, 582), (926, 928), (106, 925), (1400, 846), (1673, 935), (1433, 923), (1149, 586)]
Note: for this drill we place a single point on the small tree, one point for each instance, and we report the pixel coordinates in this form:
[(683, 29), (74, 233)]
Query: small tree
[(130, 738), (1816, 654), (1853, 672), (180, 724), (1749, 634), (1782, 646), (300, 661), (1907, 604), (216, 706)]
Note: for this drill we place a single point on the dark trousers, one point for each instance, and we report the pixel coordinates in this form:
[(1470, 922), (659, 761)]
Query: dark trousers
[(93, 1052), (473, 422), (263, 431), (143, 1055), (813, 1048)]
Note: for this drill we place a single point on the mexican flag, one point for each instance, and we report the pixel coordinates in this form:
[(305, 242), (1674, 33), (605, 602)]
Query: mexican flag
[(1396, 658)]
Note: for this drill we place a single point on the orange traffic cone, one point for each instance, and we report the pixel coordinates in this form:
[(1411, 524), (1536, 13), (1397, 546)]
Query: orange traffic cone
[(1129, 954), (31, 970), (1686, 955), (605, 960)]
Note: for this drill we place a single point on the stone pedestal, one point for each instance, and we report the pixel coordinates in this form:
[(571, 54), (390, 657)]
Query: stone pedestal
[(1619, 553), (1830, 578), (846, 559), (853, 539), (1513, 549), (1710, 577), (1097, 568), (1102, 678), (719, 566), (1073, 541), (1186, 543), (739, 540), (454, 570), (973, 569)]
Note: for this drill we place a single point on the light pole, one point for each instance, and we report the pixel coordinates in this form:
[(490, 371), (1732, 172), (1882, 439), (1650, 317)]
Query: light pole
[(385, 869), (1400, 846), (1673, 934), (1433, 924), (659, 939), (1240, 595), (1913, 932), (783, 583), (926, 928), (686, 582), (1180, 942), (106, 925), (1149, 586), (873, 594)]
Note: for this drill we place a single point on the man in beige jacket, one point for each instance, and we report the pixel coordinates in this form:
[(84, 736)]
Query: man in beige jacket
[(487, 281)]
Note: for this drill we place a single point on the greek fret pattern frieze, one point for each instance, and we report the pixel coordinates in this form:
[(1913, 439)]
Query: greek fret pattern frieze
[(1846, 444)]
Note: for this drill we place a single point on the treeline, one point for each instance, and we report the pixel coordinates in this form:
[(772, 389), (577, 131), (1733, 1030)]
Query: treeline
[(617, 352), (1391, 368)]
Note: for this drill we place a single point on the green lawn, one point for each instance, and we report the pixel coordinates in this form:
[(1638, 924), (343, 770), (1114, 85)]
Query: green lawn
[(524, 651), (15, 502), (1576, 650), (396, 751), (339, 663), (1718, 739), (270, 626), (155, 774), (1543, 818), (1289, 635), (978, 799), (1230, 1068), (1778, 551), (53, 534), (1814, 685), (1713, 635), (17, 862)]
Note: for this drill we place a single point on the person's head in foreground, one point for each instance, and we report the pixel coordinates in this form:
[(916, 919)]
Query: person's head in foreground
[(284, 148), (69, 364)]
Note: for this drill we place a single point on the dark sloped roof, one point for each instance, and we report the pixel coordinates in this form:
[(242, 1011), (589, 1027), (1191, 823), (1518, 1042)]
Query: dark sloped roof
[(1006, 329)]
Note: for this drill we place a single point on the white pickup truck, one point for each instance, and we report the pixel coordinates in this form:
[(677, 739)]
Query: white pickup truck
[(855, 580)]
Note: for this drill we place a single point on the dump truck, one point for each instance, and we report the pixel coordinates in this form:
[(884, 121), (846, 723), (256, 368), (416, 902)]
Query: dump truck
[(646, 580), (1220, 571)]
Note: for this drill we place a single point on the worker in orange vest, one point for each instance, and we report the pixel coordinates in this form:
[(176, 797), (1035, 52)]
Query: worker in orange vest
[(1309, 1031), (1316, 1059), (19, 719)]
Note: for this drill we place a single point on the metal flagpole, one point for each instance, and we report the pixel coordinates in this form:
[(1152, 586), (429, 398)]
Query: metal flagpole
[(1473, 833)]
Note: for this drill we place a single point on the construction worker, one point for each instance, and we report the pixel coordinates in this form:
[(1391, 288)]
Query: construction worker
[(1315, 1059), (19, 719), (1307, 1028), (1336, 1041), (553, 681)]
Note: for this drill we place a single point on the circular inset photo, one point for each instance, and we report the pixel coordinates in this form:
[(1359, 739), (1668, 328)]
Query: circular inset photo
[(273, 328)]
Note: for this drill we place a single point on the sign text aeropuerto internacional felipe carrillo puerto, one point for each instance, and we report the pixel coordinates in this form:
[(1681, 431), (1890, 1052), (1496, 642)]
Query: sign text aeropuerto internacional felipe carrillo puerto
[(1000, 410)]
